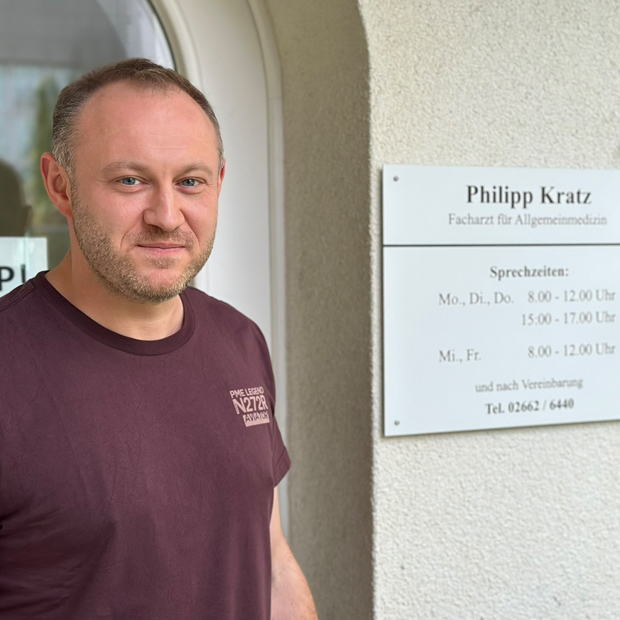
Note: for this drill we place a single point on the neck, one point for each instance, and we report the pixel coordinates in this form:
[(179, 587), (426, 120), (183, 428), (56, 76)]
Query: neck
[(142, 321)]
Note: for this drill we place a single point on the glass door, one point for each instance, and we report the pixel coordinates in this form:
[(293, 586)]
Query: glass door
[(45, 44)]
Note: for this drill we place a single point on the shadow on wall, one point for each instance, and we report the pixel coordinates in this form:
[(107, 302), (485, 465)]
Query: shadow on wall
[(15, 215)]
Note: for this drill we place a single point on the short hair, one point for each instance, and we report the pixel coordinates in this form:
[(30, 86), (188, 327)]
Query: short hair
[(139, 72)]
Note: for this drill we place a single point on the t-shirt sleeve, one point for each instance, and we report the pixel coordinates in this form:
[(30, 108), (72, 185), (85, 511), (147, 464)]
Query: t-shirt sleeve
[(281, 459)]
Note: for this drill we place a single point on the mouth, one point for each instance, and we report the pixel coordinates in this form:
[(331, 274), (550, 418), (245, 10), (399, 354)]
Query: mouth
[(161, 248)]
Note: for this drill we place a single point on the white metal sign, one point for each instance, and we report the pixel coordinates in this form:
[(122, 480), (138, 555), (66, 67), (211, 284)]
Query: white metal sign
[(501, 297), (21, 258)]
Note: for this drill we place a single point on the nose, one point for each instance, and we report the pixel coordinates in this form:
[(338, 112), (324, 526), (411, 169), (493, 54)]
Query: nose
[(163, 210)]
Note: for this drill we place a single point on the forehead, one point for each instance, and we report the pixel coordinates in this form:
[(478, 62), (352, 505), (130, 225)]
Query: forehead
[(122, 119)]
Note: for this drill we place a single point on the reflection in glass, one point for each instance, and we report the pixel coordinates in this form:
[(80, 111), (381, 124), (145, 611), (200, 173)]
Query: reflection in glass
[(45, 44), (15, 214)]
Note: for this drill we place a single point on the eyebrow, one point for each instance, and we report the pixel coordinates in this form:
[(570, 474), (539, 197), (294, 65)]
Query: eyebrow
[(136, 166)]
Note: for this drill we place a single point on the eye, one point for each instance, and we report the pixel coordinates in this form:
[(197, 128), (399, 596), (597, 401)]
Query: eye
[(189, 182), (130, 181)]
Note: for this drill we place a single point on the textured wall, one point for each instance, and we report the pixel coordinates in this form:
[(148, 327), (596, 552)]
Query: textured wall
[(327, 187), (515, 524)]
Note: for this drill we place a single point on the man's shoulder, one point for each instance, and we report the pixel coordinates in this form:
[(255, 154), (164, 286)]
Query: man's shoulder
[(218, 309), (22, 320), (12, 305), (230, 321)]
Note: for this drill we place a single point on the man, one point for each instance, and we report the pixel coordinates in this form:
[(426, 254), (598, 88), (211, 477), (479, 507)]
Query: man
[(138, 446)]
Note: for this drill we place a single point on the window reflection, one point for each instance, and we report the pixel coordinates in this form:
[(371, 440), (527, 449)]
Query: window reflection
[(45, 44), (15, 215)]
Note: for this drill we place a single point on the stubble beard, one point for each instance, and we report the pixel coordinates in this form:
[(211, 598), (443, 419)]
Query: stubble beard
[(118, 273)]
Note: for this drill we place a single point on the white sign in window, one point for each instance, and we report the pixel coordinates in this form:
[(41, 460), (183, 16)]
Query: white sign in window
[(501, 297), (21, 258)]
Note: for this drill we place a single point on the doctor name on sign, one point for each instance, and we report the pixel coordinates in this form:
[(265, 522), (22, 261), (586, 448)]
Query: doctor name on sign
[(502, 194)]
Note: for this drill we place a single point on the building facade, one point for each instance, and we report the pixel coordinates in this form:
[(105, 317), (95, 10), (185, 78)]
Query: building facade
[(315, 97)]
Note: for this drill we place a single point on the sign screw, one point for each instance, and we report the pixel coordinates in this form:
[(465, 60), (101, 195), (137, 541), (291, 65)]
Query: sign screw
[(396, 422), (396, 178)]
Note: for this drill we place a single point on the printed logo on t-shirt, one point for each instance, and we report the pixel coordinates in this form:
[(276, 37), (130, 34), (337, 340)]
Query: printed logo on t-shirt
[(252, 405)]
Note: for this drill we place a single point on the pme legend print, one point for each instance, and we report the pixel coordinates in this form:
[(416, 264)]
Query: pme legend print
[(251, 404)]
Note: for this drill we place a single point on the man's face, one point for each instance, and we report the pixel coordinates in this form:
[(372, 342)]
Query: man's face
[(145, 191)]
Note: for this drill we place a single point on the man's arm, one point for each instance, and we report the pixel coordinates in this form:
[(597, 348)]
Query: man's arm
[(290, 595)]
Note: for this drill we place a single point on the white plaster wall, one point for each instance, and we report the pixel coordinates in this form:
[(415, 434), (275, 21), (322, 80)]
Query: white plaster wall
[(516, 524)]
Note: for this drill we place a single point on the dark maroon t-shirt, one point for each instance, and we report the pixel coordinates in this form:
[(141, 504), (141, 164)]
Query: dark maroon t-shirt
[(136, 477)]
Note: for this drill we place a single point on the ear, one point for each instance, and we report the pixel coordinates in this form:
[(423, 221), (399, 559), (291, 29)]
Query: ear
[(57, 184), (221, 177)]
